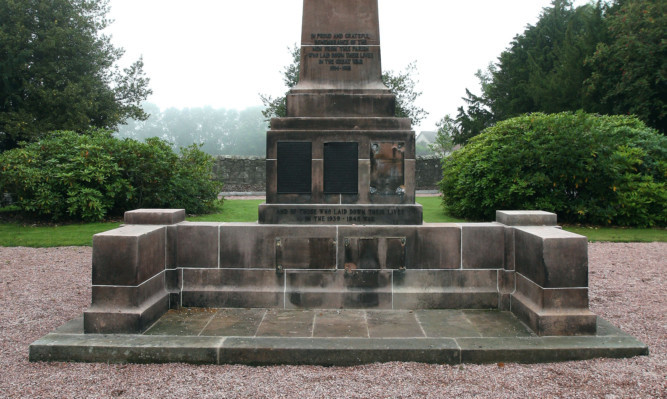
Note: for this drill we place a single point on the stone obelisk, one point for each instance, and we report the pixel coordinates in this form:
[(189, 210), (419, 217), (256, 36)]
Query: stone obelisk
[(340, 156)]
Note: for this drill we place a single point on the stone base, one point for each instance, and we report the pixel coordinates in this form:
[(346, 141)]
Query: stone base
[(345, 214), (113, 320), (559, 322), (331, 338)]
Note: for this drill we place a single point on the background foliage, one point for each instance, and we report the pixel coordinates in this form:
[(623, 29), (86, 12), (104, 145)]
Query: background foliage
[(604, 57), (58, 72), (219, 131), (605, 170), (67, 175)]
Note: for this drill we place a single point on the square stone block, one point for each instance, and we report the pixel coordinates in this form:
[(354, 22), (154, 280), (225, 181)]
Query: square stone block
[(155, 216), (526, 218), (552, 258), (250, 245), (129, 255), (340, 323), (438, 247), (395, 324), (361, 289), (198, 245), (482, 245)]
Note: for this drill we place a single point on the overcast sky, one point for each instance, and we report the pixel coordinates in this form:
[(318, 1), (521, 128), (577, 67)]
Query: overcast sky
[(223, 53)]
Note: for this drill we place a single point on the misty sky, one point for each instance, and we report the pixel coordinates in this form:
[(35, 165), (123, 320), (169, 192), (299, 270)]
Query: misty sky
[(223, 53)]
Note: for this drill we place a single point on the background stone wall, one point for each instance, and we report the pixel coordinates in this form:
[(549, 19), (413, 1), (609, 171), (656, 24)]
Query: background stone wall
[(249, 173)]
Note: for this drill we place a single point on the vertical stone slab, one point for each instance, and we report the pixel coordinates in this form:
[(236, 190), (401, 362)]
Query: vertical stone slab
[(198, 245), (482, 245)]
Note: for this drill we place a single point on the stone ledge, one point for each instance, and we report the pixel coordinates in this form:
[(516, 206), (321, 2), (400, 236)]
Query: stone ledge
[(130, 320), (155, 216), (526, 218)]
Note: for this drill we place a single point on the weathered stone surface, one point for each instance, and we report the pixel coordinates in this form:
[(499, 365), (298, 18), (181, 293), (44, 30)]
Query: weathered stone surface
[(129, 255), (551, 322), (155, 216), (438, 247), (105, 319), (270, 336), (233, 288), (198, 244), (127, 296), (445, 289), (352, 27), (126, 349), (361, 289), (337, 351), (550, 257), (482, 245), (552, 298), (250, 245), (526, 218)]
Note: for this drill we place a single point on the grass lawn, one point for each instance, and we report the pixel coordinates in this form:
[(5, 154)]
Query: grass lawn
[(14, 234)]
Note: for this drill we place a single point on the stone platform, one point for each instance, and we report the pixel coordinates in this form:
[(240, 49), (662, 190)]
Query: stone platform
[(332, 338)]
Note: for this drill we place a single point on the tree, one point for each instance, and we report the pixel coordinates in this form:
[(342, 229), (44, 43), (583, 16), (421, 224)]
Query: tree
[(542, 70), (630, 72), (277, 107), (402, 84), (443, 144), (59, 72)]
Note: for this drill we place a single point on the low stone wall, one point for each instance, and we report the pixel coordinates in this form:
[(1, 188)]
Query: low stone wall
[(157, 261), (249, 173)]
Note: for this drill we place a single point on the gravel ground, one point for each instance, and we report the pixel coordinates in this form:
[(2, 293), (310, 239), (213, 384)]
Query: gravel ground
[(43, 288)]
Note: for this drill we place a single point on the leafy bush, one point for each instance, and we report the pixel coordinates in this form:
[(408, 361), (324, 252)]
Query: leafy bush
[(67, 175), (586, 168)]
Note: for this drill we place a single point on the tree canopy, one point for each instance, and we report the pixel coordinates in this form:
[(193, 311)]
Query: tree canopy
[(59, 72), (607, 58)]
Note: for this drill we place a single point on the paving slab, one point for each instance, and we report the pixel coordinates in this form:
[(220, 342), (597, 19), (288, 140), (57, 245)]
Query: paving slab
[(331, 337)]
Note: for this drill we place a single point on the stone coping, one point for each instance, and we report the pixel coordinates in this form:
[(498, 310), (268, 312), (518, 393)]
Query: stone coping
[(339, 338)]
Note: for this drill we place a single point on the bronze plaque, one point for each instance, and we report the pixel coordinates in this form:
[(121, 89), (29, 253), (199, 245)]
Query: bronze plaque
[(387, 168), (341, 168), (294, 167)]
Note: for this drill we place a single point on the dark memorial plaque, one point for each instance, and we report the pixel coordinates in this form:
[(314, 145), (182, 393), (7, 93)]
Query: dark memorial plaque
[(294, 167), (341, 168)]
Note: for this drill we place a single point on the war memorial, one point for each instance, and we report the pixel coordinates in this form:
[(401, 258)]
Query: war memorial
[(340, 268)]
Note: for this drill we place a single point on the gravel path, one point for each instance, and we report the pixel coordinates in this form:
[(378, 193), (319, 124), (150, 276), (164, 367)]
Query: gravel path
[(40, 289)]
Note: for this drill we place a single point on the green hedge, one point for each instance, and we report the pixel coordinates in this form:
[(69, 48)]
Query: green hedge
[(90, 176), (589, 169)]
